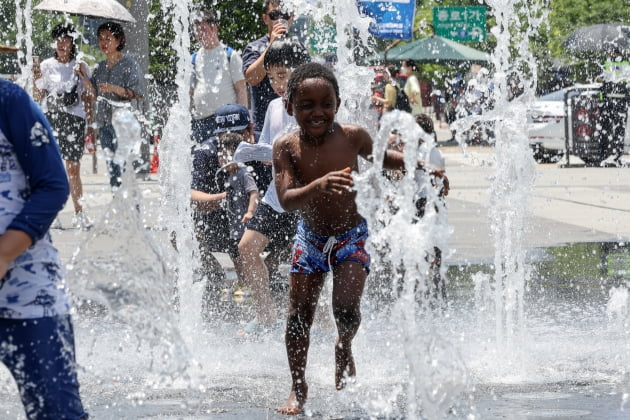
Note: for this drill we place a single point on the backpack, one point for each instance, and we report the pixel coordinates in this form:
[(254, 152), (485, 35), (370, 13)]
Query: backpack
[(402, 101), (228, 51)]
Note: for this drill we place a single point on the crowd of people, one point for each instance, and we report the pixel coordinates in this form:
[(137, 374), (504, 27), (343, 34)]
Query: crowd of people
[(286, 147), (459, 98)]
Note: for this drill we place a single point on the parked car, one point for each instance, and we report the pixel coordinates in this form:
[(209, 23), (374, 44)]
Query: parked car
[(546, 122), (545, 126)]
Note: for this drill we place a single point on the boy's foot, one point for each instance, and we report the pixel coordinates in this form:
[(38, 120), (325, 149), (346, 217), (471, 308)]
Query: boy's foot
[(344, 365), (56, 224), (253, 328), (295, 402), (81, 220), (250, 329)]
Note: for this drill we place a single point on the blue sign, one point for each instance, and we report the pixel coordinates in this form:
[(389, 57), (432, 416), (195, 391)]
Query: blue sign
[(392, 19)]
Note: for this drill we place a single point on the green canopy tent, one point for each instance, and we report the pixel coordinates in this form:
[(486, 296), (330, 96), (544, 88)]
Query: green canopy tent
[(435, 49)]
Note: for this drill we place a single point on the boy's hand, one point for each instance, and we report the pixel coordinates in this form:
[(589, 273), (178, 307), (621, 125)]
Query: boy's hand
[(247, 217), (438, 172), (336, 182), (445, 186)]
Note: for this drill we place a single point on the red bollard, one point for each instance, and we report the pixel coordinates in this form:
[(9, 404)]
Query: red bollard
[(155, 159)]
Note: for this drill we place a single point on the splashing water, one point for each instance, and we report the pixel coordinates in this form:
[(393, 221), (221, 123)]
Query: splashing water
[(417, 357), (514, 177), (24, 35), (120, 267)]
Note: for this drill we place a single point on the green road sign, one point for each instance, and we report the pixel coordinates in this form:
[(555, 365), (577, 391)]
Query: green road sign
[(323, 38), (463, 24)]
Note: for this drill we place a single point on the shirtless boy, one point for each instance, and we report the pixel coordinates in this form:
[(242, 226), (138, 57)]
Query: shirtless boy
[(313, 175)]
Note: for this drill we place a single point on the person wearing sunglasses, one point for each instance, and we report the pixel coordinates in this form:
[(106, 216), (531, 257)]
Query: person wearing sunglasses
[(278, 22)]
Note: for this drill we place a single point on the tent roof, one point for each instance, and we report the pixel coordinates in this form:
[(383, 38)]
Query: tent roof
[(435, 49)]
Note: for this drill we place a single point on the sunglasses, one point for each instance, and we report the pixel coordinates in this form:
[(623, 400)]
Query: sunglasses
[(276, 14)]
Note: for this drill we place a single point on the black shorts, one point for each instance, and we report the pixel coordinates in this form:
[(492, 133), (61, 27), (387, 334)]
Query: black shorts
[(213, 231), (70, 133), (279, 228)]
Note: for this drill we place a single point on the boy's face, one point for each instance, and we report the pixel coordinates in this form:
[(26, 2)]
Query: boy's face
[(228, 142), (279, 76), (225, 157), (314, 105)]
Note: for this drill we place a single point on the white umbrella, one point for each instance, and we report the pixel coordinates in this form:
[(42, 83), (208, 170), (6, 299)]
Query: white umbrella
[(104, 9), (8, 49)]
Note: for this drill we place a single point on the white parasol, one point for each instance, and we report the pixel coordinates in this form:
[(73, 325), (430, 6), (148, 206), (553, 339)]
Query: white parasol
[(104, 9)]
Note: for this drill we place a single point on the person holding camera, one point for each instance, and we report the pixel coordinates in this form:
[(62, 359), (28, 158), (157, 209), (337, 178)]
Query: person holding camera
[(59, 84), (278, 21)]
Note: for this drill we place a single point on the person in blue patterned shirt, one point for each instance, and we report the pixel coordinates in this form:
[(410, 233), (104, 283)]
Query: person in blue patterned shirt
[(36, 335)]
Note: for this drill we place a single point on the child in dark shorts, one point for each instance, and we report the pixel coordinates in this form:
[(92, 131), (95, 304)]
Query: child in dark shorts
[(271, 228)]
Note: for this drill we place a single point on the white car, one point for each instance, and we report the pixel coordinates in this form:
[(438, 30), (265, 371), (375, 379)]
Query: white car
[(546, 124)]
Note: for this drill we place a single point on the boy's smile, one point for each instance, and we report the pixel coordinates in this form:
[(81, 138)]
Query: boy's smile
[(314, 106)]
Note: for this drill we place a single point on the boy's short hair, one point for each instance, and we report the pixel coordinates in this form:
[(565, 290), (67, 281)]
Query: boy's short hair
[(231, 140), (310, 71), (286, 52), (426, 123), (208, 16)]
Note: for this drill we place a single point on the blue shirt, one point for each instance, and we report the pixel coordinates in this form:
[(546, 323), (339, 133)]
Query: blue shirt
[(205, 167), (262, 93), (206, 179), (33, 189)]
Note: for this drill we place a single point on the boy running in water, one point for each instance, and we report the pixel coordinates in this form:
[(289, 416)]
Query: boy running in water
[(313, 174)]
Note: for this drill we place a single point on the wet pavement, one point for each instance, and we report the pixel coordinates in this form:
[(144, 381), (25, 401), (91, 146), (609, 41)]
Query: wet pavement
[(249, 380)]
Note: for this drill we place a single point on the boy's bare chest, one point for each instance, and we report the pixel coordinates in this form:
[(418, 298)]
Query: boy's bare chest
[(314, 162)]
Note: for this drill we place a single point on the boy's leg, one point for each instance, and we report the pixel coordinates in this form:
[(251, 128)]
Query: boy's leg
[(212, 272), (304, 290), (348, 282), (255, 273), (41, 357)]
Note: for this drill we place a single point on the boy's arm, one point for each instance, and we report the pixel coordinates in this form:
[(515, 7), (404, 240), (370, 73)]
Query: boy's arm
[(240, 88), (251, 208), (290, 194), (205, 201), (392, 159), (395, 160)]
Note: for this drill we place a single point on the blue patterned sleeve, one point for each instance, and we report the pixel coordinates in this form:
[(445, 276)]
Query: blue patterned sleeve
[(38, 155)]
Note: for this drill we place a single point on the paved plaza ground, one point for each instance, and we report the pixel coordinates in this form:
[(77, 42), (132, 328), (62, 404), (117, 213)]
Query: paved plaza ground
[(568, 206)]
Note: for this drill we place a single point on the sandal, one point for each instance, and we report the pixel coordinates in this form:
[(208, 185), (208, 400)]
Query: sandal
[(251, 328)]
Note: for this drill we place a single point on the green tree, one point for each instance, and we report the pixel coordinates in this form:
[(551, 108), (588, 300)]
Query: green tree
[(162, 57), (568, 15)]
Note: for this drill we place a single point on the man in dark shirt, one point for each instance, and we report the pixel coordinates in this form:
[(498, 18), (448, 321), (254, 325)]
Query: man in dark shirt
[(261, 93), (208, 190)]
